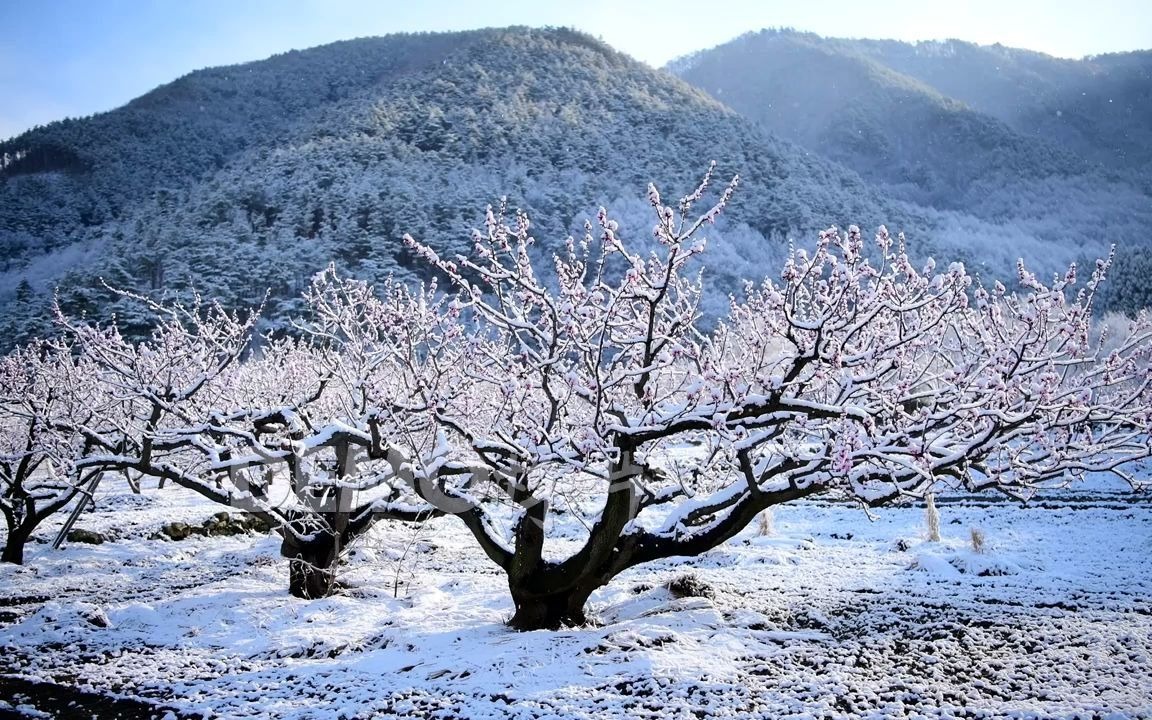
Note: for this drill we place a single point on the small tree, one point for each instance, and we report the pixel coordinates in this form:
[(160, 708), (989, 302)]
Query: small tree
[(306, 435), (290, 436), (871, 379), (174, 377), (49, 406)]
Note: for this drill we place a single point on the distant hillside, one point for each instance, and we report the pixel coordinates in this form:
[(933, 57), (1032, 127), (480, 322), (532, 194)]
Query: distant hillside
[(1057, 150), (239, 180), (1099, 108)]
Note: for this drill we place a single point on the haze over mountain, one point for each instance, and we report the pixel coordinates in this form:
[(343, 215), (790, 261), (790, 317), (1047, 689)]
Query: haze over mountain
[(1060, 149), (1099, 108), (234, 180)]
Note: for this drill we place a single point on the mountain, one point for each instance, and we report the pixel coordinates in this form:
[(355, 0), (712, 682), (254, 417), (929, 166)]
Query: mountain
[(233, 180), (236, 181), (1099, 108), (1057, 150)]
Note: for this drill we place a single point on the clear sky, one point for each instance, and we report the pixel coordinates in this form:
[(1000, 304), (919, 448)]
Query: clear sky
[(69, 58)]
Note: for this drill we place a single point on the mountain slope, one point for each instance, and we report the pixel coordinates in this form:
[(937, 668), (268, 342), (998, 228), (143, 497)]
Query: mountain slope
[(1099, 107), (91, 171), (965, 130), (233, 180), (845, 99)]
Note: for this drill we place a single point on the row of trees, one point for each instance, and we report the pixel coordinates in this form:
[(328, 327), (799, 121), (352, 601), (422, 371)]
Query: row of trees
[(504, 400)]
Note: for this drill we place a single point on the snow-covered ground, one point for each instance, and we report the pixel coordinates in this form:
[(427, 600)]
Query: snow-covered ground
[(832, 615)]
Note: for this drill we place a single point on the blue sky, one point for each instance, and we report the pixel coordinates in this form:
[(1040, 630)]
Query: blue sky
[(68, 58)]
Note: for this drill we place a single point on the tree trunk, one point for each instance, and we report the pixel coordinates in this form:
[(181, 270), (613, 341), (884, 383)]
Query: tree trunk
[(14, 546), (550, 609), (311, 565)]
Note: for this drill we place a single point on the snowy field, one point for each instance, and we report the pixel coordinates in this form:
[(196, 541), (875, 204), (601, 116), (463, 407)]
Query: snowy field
[(832, 615)]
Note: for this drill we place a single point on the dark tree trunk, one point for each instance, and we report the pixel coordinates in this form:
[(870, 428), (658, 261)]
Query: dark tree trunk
[(552, 595), (311, 564), (14, 546), (549, 610)]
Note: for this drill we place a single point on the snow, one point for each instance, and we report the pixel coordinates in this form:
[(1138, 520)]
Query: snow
[(832, 616)]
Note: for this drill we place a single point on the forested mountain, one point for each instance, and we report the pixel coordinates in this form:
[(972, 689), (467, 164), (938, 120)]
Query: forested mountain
[(236, 180), (1099, 108), (233, 180), (1056, 149)]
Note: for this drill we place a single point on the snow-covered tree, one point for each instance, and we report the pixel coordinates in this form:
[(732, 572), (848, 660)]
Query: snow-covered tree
[(302, 434), (50, 412), (855, 373), (293, 435)]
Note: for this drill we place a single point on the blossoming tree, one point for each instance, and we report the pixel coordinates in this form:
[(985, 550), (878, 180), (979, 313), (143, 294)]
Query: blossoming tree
[(49, 413), (855, 373), (295, 434)]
